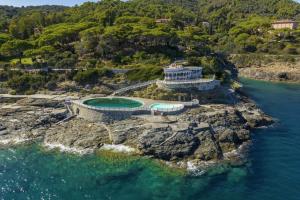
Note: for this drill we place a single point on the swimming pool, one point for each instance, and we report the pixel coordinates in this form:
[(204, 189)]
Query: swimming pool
[(166, 107), (113, 102)]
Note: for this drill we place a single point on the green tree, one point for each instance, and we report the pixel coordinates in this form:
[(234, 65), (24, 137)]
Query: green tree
[(15, 48)]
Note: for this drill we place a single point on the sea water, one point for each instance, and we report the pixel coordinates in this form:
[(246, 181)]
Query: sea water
[(273, 171)]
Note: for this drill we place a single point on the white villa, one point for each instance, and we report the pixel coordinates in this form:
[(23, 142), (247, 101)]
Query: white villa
[(176, 72), (179, 77), (282, 24)]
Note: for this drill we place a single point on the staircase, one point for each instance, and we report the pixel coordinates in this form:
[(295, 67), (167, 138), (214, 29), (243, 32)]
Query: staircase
[(133, 87)]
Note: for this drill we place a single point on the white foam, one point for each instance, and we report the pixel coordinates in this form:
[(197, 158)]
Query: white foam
[(64, 148), (191, 166), (14, 141), (194, 169), (118, 148)]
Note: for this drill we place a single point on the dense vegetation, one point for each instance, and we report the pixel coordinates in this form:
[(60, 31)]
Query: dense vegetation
[(117, 34)]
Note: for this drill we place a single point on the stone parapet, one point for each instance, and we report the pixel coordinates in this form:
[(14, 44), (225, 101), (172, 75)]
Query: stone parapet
[(200, 84)]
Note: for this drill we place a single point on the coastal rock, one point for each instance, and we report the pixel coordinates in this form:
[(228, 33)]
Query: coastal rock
[(254, 116), (273, 72), (29, 118), (208, 149), (126, 131), (3, 130), (2, 127), (209, 133), (77, 134), (40, 103), (167, 143)]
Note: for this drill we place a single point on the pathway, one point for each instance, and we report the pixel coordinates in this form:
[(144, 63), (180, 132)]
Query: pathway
[(133, 87), (38, 96)]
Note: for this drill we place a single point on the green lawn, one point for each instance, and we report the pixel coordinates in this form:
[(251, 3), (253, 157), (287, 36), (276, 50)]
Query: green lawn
[(25, 61)]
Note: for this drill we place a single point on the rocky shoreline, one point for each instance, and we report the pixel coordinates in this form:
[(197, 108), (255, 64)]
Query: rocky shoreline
[(199, 137), (272, 73)]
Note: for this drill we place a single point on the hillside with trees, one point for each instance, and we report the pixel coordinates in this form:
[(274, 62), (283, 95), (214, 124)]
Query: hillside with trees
[(115, 34)]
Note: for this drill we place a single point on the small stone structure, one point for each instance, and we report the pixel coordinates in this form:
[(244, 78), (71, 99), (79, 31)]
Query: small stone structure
[(178, 77)]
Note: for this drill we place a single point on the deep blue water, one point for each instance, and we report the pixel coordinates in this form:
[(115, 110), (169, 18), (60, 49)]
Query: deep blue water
[(29, 172)]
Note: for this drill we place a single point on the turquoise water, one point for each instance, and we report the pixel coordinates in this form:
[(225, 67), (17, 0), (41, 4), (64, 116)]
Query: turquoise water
[(113, 103), (165, 106), (29, 172)]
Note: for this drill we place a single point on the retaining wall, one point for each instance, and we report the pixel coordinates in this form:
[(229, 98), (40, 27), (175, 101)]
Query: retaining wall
[(99, 115), (201, 85)]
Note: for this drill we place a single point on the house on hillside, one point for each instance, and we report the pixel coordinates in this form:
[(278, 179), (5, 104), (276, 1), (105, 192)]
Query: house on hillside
[(178, 77), (282, 24)]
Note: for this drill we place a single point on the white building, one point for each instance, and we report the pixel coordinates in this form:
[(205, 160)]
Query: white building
[(179, 77), (285, 24), (177, 72)]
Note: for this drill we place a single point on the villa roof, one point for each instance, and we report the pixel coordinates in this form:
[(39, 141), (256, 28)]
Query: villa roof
[(180, 68), (285, 21)]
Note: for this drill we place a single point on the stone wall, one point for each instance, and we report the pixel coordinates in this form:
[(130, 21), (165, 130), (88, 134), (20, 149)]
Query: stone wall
[(201, 86), (99, 116)]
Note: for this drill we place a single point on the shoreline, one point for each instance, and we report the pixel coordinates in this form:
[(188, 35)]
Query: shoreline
[(269, 75), (270, 81), (205, 136)]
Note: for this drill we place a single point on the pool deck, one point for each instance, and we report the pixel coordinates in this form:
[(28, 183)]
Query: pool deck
[(104, 114)]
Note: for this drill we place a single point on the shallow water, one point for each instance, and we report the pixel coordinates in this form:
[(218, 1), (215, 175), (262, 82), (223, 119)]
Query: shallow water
[(29, 172)]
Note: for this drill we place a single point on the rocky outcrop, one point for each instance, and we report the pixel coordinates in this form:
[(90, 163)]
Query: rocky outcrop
[(272, 72), (77, 134), (209, 133), (28, 122), (167, 142), (267, 67), (253, 115), (48, 103)]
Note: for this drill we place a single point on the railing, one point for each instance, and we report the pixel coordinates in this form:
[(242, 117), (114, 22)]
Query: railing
[(139, 85), (187, 82), (173, 109), (192, 103)]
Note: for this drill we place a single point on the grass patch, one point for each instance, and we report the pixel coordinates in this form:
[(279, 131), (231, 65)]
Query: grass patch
[(25, 61), (145, 73)]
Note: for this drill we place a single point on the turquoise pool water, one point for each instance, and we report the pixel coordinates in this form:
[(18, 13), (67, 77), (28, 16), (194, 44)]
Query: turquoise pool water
[(113, 103), (166, 106), (273, 171)]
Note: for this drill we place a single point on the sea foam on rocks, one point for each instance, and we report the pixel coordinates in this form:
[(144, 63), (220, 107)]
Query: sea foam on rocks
[(118, 148), (64, 148)]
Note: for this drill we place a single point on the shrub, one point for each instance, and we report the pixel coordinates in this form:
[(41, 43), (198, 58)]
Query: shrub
[(51, 85), (66, 63), (26, 82), (290, 49), (92, 76), (3, 76), (145, 73)]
